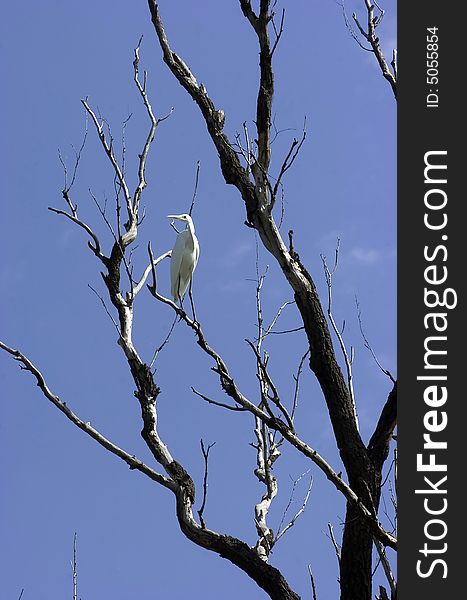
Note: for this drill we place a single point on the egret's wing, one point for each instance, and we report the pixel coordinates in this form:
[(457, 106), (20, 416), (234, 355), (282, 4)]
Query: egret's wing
[(187, 266), (178, 253)]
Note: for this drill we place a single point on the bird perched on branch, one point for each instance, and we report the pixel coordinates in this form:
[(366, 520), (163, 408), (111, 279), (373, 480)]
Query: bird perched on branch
[(184, 257)]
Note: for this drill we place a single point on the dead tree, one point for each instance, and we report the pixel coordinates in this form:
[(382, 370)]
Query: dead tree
[(247, 167)]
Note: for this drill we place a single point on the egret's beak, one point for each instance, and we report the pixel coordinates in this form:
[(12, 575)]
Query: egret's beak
[(174, 217)]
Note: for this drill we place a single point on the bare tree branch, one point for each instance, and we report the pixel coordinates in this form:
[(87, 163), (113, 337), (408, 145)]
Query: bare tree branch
[(268, 329), (266, 454), (131, 460), (205, 452), (296, 378), (386, 568), (394, 62), (278, 32), (96, 248), (67, 186), (195, 190), (288, 162), (287, 331), (312, 581), (117, 242), (74, 567), (337, 548), (371, 37), (351, 30), (148, 270), (221, 404)]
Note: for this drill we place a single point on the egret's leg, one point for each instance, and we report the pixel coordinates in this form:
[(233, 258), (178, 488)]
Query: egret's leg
[(180, 299), (190, 294), (178, 290)]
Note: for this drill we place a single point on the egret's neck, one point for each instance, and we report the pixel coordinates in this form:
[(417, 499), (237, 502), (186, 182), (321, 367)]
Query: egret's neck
[(191, 228)]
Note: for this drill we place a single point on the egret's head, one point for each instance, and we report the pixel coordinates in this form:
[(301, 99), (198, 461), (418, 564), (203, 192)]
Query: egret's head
[(183, 217)]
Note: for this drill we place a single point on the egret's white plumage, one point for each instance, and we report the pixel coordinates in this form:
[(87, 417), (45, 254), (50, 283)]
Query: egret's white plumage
[(184, 258)]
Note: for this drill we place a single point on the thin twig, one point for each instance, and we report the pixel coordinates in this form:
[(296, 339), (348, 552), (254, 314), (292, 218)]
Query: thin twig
[(74, 567), (67, 187), (368, 345), (164, 343), (205, 452), (117, 186), (198, 165), (393, 463), (313, 587), (337, 548), (275, 319), (291, 523), (106, 310), (288, 162), (297, 384), (221, 404), (278, 32), (286, 331)]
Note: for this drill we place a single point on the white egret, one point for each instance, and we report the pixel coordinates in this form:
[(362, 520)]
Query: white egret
[(184, 257)]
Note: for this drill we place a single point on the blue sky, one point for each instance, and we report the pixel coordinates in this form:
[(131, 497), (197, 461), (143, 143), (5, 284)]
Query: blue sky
[(343, 185)]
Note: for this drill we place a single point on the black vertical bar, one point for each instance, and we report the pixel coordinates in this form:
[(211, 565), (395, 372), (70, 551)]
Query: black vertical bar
[(432, 243)]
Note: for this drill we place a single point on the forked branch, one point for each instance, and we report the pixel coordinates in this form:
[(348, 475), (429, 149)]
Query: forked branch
[(369, 34)]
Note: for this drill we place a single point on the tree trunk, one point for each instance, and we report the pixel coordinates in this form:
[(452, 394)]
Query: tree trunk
[(356, 557), (356, 565)]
